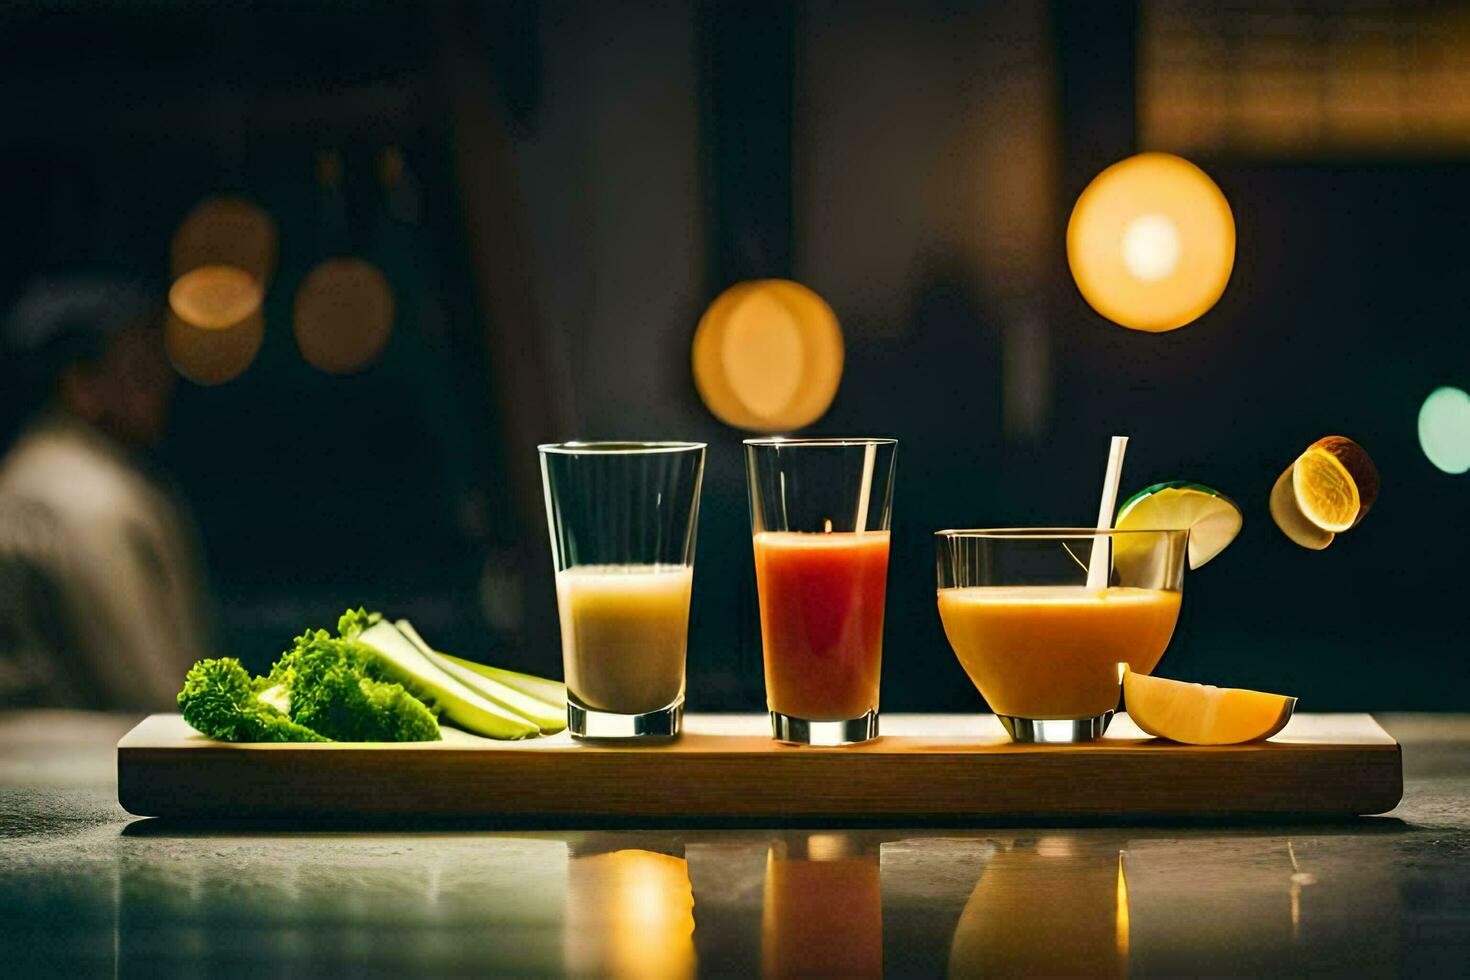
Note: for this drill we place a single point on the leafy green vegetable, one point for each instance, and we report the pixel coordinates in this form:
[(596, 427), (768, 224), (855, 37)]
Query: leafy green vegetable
[(220, 700), (335, 687), (370, 683), (323, 689)]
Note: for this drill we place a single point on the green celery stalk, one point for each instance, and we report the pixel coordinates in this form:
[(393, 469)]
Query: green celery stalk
[(552, 692)]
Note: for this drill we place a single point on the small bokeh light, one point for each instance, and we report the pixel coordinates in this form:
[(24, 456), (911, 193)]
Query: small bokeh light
[(215, 297), (768, 356), (1444, 429), (1151, 242), (226, 231), (221, 258), (212, 357), (343, 315)]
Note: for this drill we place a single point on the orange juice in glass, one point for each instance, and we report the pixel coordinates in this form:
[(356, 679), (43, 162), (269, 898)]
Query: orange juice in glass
[(1044, 649), (819, 513)]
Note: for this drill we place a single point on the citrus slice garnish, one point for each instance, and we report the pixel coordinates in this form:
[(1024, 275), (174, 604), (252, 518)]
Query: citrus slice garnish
[(1289, 517), (1210, 517), (1201, 714), (1325, 490), (1359, 465)]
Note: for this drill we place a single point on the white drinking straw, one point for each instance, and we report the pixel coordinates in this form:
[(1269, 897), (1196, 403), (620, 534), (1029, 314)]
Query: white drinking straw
[(1099, 563), (865, 492)]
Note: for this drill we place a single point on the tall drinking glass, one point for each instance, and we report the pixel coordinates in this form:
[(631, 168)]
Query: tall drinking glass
[(1041, 646), (623, 517), (819, 512)]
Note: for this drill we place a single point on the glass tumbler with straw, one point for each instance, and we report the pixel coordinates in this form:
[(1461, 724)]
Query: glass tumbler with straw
[(819, 516)]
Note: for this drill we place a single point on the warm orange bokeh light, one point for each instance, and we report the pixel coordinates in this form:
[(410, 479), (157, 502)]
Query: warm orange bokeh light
[(768, 356), (1151, 242), (212, 357), (344, 315), (214, 297), (226, 231)]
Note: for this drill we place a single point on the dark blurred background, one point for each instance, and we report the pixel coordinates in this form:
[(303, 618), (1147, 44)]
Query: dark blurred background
[(556, 191)]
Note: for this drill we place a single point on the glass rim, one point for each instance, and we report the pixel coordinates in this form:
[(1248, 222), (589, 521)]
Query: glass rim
[(618, 447), (833, 441), (1050, 533)]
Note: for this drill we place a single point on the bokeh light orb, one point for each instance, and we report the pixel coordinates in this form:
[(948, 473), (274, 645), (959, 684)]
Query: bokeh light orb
[(343, 315), (767, 356), (226, 230), (212, 357), (1151, 242), (1444, 429), (215, 297)]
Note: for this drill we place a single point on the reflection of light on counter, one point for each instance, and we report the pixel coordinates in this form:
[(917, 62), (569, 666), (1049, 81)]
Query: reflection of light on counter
[(1056, 847), (1121, 926), (822, 915), (630, 913), (1444, 429), (826, 847), (1151, 242), (1055, 907), (1299, 880)]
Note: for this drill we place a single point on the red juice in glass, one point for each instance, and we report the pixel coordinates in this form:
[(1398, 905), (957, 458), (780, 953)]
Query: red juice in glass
[(821, 602), (819, 518)]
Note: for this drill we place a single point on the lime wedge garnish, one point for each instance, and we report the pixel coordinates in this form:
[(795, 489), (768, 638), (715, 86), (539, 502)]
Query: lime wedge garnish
[(1211, 518)]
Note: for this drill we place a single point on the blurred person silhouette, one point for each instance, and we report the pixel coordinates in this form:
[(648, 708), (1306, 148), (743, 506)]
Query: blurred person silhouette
[(101, 582)]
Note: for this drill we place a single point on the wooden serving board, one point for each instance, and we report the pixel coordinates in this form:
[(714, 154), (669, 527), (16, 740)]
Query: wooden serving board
[(727, 766)]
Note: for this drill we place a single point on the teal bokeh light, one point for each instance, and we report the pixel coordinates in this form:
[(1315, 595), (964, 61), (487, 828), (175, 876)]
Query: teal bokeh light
[(1444, 429)]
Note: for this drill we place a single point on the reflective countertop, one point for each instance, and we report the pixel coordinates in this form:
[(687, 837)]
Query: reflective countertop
[(87, 889)]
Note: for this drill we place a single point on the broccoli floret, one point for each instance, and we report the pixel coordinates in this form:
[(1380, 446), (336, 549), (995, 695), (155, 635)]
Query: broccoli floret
[(323, 689), (354, 621), (334, 689), (220, 700)]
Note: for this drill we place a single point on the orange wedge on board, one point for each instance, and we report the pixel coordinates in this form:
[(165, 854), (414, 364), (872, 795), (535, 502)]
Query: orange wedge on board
[(1200, 714)]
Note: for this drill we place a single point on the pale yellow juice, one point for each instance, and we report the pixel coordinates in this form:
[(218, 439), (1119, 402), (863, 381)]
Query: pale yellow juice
[(1052, 651), (624, 634)]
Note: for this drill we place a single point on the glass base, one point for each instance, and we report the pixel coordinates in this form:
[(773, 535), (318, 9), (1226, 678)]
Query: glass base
[(785, 728), (1055, 731), (585, 722)]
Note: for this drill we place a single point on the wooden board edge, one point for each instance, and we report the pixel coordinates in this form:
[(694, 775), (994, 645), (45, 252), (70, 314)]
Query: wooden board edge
[(170, 783)]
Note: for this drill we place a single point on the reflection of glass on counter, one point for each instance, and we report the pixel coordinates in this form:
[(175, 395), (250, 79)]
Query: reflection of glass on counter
[(1264, 906), (1045, 907), (823, 912), (630, 913)]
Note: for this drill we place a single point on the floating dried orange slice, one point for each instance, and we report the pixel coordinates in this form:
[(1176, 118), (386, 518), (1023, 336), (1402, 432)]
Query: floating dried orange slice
[(1289, 517), (1325, 490), (1359, 466)]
